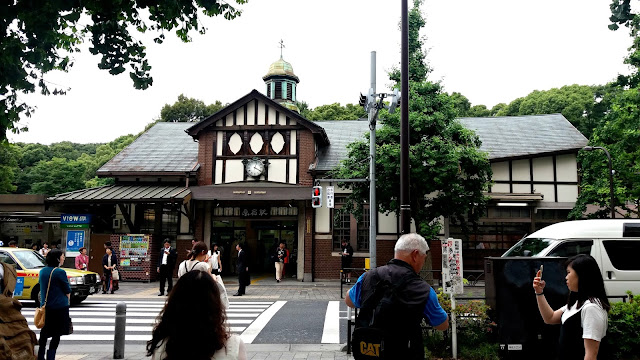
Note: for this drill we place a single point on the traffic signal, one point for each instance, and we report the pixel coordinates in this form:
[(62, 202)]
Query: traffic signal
[(316, 197), (395, 101)]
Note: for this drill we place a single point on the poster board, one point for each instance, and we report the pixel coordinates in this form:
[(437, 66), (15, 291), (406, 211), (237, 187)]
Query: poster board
[(452, 266)]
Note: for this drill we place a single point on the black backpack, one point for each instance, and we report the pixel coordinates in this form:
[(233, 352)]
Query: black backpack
[(374, 336)]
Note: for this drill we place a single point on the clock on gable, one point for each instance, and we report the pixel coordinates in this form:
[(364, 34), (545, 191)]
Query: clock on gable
[(254, 167)]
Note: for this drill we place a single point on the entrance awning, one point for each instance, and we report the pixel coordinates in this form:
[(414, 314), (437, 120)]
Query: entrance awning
[(126, 194), (213, 192)]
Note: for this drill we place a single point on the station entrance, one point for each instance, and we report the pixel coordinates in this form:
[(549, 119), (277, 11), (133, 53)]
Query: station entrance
[(260, 237)]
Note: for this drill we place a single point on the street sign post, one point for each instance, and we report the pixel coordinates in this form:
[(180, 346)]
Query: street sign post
[(330, 196), (452, 281)]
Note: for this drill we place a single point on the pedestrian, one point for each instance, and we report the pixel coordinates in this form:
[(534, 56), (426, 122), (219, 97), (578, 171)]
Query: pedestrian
[(242, 269), (109, 262), (214, 261), (82, 260), (45, 250), (34, 247), (287, 256), (193, 243), (584, 317), (347, 259), (404, 299), (55, 291), (281, 254), (200, 262), (13, 244), (168, 257), (205, 335)]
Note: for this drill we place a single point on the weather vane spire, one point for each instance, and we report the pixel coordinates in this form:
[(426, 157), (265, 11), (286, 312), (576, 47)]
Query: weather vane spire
[(281, 47)]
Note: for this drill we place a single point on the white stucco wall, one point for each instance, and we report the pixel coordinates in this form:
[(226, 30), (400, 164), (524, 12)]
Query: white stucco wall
[(543, 169), (278, 170), (567, 167)]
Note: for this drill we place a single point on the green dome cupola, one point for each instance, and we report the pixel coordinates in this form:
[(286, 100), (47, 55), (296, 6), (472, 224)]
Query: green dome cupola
[(281, 84)]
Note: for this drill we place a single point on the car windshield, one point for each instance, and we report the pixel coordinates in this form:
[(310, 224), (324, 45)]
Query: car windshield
[(530, 247), (30, 259)]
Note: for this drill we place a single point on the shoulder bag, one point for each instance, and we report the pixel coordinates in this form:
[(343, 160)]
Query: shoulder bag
[(115, 275), (39, 316)]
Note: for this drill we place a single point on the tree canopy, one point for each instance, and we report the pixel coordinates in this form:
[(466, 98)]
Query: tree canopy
[(333, 111), (448, 172), (187, 109), (39, 36)]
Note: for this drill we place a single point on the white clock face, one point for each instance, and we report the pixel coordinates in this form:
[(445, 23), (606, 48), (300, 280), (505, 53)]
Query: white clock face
[(254, 168)]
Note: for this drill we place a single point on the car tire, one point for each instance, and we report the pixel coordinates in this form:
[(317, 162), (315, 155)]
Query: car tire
[(78, 299), (35, 295)]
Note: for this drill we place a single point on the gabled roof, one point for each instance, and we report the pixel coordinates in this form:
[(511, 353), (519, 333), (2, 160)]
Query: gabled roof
[(511, 137), (163, 149), (317, 131)]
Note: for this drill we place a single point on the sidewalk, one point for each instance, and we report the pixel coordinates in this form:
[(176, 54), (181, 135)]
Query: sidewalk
[(263, 288), (254, 352)]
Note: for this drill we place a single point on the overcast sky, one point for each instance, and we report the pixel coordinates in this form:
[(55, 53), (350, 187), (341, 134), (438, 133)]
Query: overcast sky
[(490, 51)]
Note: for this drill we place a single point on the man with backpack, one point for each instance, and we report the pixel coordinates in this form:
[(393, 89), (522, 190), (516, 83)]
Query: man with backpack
[(393, 300)]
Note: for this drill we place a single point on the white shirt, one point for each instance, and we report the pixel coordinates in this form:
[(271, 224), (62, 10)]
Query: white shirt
[(234, 349), (594, 319), (213, 260), (165, 255)]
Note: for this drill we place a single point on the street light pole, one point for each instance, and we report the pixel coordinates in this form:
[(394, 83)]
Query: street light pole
[(611, 204)]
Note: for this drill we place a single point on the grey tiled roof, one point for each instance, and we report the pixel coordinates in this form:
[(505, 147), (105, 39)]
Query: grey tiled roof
[(163, 148), (340, 133), (516, 136)]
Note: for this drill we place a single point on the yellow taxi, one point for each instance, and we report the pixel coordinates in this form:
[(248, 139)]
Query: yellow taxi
[(28, 264)]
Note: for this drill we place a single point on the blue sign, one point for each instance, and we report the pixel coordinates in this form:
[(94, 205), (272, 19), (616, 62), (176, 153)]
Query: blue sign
[(75, 240), (19, 286), (75, 219)]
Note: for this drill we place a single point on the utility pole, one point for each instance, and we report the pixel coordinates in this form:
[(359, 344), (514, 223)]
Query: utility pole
[(373, 212), (405, 203)]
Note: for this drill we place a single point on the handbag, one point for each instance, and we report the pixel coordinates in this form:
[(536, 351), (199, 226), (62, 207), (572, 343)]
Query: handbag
[(115, 275), (40, 314)]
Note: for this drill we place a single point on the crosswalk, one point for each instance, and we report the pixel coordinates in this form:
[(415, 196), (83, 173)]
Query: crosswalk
[(95, 321)]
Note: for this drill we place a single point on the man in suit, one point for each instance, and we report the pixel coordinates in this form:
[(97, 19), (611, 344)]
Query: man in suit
[(243, 271), (166, 263)]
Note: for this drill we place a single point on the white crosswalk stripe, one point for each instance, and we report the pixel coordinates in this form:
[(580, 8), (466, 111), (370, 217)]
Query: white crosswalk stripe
[(95, 321)]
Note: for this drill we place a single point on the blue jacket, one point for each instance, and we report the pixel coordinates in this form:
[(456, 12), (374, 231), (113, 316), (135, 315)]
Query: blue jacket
[(60, 287)]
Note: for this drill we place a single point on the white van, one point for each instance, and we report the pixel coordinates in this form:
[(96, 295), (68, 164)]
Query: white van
[(614, 243)]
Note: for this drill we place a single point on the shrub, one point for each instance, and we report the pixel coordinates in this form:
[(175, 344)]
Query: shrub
[(476, 332), (624, 325)]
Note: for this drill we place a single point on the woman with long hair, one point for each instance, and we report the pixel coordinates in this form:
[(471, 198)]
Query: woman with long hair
[(55, 294), (584, 317), (203, 335)]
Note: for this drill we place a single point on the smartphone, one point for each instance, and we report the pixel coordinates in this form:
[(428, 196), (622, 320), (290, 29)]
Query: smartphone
[(540, 271)]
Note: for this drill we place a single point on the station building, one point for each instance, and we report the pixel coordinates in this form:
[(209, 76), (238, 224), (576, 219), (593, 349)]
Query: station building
[(245, 174)]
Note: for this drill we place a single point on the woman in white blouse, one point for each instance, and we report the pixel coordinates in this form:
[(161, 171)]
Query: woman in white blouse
[(584, 317), (199, 261)]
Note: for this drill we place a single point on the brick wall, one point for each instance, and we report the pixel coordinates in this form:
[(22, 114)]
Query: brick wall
[(307, 156), (148, 265), (206, 146)]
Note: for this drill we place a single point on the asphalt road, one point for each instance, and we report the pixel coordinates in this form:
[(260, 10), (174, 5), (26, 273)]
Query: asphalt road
[(257, 322)]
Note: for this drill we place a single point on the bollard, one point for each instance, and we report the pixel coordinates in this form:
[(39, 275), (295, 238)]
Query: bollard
[(118, 336)]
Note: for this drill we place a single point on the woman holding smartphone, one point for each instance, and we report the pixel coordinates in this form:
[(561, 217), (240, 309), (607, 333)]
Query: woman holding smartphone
[(584, 317)]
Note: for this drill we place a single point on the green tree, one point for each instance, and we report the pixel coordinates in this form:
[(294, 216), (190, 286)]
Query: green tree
[(187, 109), (479, 111), (461, 104), (32, 153), (38, 36), (56, 176), (448, 172), (8, 167), (335, 112), (620, 135)]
